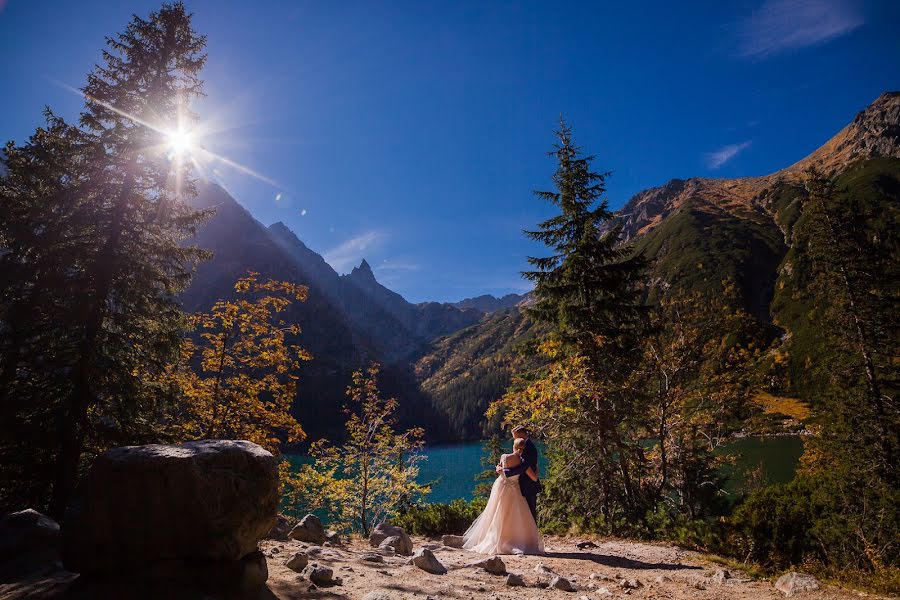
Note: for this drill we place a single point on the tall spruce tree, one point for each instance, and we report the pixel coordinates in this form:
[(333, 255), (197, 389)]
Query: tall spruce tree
[(588, 291), (119, 320)]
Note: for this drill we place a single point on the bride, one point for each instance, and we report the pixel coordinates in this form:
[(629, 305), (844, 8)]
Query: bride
[(506, 525)]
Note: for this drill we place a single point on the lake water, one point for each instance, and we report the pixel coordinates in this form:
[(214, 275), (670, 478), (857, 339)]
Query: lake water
[(452, 469)]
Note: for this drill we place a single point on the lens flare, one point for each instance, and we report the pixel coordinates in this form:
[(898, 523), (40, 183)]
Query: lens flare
[(179, 141)]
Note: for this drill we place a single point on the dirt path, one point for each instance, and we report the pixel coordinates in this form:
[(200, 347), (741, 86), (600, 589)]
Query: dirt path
[(659, 571)]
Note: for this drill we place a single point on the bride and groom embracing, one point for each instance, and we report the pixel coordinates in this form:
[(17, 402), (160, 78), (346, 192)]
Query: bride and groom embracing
[(508, 524)]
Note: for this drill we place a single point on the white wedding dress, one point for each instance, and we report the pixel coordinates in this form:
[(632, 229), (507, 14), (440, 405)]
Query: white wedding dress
[(506, 525)]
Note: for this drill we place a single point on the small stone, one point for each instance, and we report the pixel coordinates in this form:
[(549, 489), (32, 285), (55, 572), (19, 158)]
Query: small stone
[(542, 569), (453, 541), (720, 576), (561, 583), (630, 584), (321, 576), (309, 529), (297, 562), (601, 577), (372, 557), (314, 551), (425, 560), (663, 579), (603, 591), (794, 583), (280, 530), (399, 540), (494, 565), (586, 545), (515, 580)]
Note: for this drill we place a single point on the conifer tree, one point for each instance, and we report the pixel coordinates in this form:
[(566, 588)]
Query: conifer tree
[(588, 291), (588, 288), (119, 320)]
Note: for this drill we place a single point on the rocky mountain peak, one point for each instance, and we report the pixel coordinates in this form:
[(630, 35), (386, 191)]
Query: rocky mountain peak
[(874, 132), (363, 272)]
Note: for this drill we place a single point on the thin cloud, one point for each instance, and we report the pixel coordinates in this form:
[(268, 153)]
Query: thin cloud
[(782, 25), (388, 265), (350, 253), (716, 159)]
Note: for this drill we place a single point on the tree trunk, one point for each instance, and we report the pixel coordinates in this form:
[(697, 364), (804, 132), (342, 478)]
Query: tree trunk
[(74, 416)]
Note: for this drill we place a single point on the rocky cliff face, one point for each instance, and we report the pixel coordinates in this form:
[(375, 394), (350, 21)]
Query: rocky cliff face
[(875, 132)]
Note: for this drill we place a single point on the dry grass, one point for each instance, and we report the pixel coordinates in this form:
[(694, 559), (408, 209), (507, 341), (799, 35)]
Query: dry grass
[(791, 407)]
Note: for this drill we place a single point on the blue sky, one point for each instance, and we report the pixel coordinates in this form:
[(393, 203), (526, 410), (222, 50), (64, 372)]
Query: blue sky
[(412, 133)]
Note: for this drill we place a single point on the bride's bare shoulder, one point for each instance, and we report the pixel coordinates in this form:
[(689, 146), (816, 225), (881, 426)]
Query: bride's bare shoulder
[(510, 460)]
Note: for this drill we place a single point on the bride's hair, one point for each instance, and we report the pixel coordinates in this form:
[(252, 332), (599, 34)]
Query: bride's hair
[(519, 444)]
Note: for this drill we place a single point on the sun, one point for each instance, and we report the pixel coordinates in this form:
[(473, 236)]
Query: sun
[(179, 141)]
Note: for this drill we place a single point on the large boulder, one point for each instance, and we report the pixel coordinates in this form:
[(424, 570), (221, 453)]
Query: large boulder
[(309, 530), (381, 537), (29, 542), (206, 501), (793, 583)]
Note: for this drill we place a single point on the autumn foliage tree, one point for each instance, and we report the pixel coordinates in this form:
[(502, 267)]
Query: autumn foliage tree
[(237, 377), (369, 477)]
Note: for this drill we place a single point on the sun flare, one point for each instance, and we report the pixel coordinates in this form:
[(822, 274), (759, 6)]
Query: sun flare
[(179, 141)]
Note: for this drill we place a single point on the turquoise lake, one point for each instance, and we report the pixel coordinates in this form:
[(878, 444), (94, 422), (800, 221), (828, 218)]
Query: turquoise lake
[(452, 468)]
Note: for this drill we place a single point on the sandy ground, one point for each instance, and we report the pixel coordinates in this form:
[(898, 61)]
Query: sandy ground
[(660, 572), (663, 572)]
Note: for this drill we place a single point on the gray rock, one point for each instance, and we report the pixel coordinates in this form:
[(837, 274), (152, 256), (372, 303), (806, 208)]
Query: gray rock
[(280, 529), (334, 538), (309, 530), (720, 576), (372, 557), (453, 541), (542, 569), (314, 551), (211, 500), (795, 583), (321, 576), (515, 580), (398, 544), (602, 577), (297, 562), (29, 542), (603, 591), (494, 565), (427, 561), (561, 583), (630, 583), (383, 532)]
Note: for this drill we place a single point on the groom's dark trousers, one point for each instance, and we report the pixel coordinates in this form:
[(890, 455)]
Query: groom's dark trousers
[(530, 488)]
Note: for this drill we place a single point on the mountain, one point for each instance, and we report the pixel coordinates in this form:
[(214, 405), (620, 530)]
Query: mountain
[(347, 320), (698, 232), (488, 304)]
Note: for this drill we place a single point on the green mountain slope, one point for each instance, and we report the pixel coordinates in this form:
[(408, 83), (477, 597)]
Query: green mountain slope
[(699, 233)]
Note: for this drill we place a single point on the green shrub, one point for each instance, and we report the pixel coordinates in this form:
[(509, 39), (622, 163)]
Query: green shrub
[(438, 519), (771, 527)]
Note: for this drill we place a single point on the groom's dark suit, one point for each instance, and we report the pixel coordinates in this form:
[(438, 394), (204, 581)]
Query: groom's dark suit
[(530, 488)]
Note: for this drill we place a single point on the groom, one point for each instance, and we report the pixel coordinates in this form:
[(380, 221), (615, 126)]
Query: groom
[(530, 488)]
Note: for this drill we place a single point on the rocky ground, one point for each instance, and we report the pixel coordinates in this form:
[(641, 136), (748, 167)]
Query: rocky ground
[(612, 569)]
